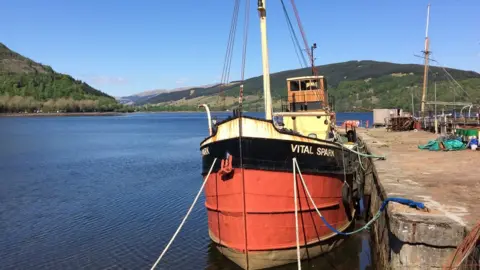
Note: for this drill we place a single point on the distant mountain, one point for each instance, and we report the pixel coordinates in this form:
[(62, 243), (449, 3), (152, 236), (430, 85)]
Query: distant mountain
[(26, 85), (146, 96), (133, 99), (355, 84)]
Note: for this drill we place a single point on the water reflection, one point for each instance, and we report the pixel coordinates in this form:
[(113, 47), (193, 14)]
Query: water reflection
[(354, 253)]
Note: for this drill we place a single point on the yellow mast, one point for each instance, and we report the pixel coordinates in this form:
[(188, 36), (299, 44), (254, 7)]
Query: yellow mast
[(425, 72), (266, 68)]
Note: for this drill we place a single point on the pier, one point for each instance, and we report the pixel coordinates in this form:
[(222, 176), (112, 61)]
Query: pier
[(446, 181)]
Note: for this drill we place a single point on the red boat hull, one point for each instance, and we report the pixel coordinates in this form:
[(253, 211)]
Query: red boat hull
[(269, 220), (250, 193)]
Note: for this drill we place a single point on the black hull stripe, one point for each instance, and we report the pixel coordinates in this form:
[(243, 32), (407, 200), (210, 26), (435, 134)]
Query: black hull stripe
[(277, 155)]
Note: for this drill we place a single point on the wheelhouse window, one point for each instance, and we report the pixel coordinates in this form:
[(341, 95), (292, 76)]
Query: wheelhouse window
[(294, 86), (312, 85), (303, 85)]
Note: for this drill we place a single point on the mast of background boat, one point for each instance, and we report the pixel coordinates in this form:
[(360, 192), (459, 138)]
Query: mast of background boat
[(262, 12), (425, 72)]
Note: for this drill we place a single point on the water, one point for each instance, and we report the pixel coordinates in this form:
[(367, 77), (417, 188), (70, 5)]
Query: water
[(362, 117), (109, 192)]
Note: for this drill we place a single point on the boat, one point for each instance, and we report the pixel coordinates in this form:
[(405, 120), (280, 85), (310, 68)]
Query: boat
[(251, 166)]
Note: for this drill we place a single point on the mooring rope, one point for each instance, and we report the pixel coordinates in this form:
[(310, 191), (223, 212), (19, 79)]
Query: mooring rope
[(361, 163), (344, 170), (186, 216), (359, 157), (408, 202), (362, 154), (296, 214)]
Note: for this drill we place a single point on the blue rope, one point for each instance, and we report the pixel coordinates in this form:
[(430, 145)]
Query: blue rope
[(408, 202), (403, 201)]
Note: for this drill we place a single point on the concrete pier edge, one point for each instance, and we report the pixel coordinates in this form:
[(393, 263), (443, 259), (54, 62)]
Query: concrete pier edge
[(411, 239)]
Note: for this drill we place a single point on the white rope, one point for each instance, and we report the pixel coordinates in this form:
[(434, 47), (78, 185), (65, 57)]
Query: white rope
[(344, 170), (360, 158), (320, 214), (305, 186), (186, 216), (296, 213)]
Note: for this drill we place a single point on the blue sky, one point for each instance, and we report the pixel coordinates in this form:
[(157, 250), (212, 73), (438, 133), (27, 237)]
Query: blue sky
[(124, 47)]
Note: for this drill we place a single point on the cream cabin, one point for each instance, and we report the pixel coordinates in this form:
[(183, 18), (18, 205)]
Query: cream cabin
[(306, 110)]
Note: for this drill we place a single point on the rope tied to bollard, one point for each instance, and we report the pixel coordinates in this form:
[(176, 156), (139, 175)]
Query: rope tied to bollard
[(403, 201)]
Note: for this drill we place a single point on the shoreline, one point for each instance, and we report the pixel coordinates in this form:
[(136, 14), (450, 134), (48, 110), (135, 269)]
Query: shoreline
[(60, 114), (104, 113)]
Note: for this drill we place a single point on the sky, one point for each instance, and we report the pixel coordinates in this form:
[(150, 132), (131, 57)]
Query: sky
[(125, 47)]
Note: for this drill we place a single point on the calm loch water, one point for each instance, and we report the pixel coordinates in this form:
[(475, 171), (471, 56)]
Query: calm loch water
[(109, 192)]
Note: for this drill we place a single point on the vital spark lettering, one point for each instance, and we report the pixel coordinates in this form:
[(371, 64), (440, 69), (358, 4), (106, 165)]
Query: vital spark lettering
[(308, 149), (302, 149)]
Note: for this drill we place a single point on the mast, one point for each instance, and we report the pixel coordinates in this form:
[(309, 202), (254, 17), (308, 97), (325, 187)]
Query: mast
[(426, 54), (262, 12), (314, 46)]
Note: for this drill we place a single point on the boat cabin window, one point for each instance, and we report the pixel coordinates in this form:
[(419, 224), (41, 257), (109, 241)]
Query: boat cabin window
[(312, 85), (294, 86), (304, 85)]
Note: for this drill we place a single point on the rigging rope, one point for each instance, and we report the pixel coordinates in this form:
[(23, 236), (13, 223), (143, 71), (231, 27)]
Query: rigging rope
[(244, 52), (458, 84), (229, 53), (293, 36), (453, 83), (245, 37), (186, 216), (235, 23), (304, 36), (305, 42), (240, 125)]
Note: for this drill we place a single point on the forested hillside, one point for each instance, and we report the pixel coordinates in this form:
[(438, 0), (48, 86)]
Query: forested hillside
[(27, 86), (357, 85)]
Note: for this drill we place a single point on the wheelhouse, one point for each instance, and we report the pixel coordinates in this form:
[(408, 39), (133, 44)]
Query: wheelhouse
[(306, 93), (306, 111)]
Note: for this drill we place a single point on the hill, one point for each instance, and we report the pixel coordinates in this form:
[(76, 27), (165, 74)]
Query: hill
[(148, 96), (355, 84), (139, 97), (26, 85)]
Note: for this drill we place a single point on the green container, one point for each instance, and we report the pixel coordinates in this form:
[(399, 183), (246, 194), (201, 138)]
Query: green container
[(471, 132), (465, 133)]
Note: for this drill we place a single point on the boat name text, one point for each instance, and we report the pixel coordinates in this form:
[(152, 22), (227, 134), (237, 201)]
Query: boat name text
[(308, 149)]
